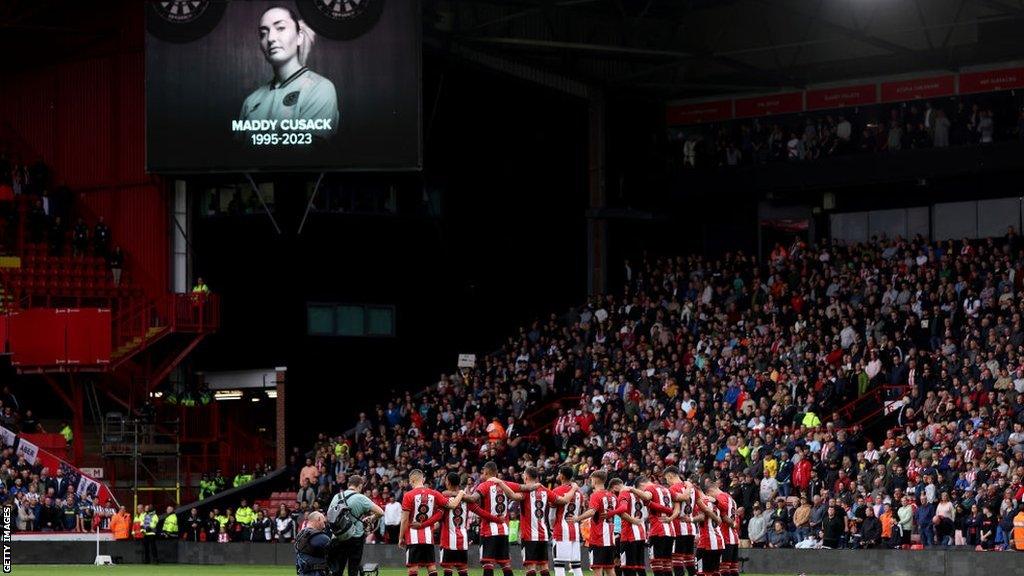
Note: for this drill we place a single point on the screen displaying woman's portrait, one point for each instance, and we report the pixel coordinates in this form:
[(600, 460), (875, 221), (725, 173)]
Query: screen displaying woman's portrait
[(294, 92)]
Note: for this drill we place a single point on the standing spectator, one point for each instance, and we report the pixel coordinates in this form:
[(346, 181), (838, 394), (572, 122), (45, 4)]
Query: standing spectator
[(55, 236), (306, 494), (149, 521), (121, 524), (801, 519), (870, 529), (262, 528), (392, 520), (769, 488), (923, 517), (833, 528), (309, 473), (116, 264), (242, 478), (80, 240), (101, 238), (169, 524), (988, 529), (778, 537), (940, 136), (194, 526), (757, 527), (986, 127), (284, 525)]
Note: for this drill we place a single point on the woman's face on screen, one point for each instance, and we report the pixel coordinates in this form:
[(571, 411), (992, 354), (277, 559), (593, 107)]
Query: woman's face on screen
[(279, 36)]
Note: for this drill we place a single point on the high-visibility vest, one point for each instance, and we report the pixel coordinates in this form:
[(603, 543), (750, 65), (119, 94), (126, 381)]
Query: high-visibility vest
[(171, 524), (67, 434), (1018, 531), (120, 526), (222, 520), (137, 526), (811, 420), (149, 524), (245, 515)]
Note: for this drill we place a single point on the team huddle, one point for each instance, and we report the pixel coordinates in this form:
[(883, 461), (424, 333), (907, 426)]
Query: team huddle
[(690, 531)]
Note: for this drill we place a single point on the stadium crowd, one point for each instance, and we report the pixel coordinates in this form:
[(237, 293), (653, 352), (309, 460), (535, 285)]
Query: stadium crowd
[(737, 369), (960, 121)]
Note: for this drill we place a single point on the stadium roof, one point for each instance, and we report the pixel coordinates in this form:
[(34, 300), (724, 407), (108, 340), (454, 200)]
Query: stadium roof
[(701, 48)]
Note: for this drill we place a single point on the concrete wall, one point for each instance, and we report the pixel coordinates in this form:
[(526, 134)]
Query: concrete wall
[(842, 562)]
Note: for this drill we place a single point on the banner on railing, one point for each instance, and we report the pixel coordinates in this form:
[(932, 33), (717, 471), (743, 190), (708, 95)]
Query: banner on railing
[(82, 483), (27, 450)]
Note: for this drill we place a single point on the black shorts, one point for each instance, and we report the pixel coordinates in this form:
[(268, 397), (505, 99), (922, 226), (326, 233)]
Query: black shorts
[(709, 560), (685, 545), (661, 547), (633, 557), (535, 552), (731, 553), (602, 557), (494, 550), (454, 558), (419, 555)]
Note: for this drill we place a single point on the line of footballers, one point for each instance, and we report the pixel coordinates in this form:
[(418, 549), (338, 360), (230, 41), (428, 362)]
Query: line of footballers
[(690, 530)]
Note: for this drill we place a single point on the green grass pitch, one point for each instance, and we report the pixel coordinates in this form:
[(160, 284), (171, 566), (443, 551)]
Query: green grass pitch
[(190, 570)]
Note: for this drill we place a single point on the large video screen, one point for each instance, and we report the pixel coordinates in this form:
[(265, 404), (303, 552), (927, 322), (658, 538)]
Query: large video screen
[(283, 85)]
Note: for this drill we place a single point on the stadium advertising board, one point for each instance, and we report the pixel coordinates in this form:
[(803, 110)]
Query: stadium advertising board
[(235, 85), (790, 103)]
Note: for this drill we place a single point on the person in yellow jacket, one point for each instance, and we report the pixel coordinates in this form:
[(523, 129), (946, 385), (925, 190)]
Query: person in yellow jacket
[(1018, 531), (222, 519), (149, 522), (170, 524), (811, 420), (244, 514), (140, 511)]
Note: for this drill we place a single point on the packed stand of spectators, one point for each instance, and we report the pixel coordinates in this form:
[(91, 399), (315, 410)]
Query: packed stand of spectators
[(42, 499), (959, 121), (745, 370)]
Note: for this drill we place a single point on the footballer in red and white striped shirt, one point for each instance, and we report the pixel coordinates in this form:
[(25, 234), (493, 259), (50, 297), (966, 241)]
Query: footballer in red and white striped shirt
[(565, 531), (454, 540), (661, 514), (419, 506), (602, 510), (633, 537), (684, 558), (533, 522)]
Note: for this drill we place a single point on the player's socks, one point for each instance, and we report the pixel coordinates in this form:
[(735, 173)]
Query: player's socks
[(463, 571), (488, 569), (559, 569), (506, 571)]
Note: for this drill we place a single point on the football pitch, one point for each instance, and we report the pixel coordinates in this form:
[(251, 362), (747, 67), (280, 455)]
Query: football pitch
[(190, 569)]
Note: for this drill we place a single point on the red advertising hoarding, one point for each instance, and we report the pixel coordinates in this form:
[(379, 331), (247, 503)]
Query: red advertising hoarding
[(842, 97), (918, 88), (991, 80), (699, 113), (767, 105)]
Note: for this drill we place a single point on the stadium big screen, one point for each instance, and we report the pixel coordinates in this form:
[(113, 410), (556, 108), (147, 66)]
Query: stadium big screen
[(282, 85)]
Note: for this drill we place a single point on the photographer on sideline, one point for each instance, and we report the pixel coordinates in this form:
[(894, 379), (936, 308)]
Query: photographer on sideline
[(311, 547)]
